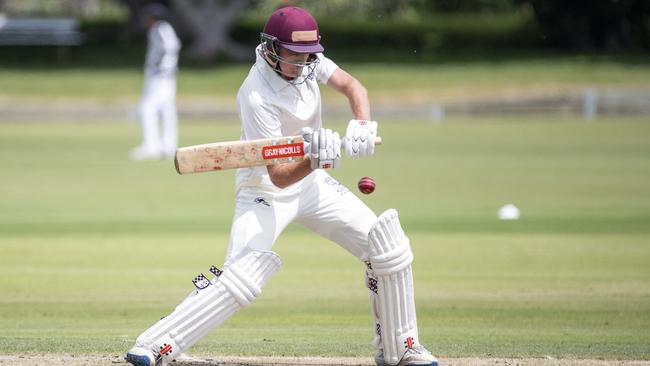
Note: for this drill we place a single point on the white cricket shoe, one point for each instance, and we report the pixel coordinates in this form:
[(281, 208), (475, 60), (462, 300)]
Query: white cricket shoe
[(142, 153), (138, 356), (416, 356)]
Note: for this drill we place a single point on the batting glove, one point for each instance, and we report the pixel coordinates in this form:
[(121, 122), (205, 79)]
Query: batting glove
[(323, 146), (360, 138)]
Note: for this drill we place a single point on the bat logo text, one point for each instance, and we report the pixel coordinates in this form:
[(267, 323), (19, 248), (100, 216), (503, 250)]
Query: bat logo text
[(282, 151)]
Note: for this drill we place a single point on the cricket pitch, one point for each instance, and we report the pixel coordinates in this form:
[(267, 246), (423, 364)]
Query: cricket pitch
[(106, 360)]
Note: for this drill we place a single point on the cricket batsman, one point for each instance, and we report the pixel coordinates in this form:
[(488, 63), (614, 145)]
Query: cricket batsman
[(281, 97)]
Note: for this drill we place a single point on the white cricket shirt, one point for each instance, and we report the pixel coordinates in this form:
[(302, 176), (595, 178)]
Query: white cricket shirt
[(162, 50), (270, 106)]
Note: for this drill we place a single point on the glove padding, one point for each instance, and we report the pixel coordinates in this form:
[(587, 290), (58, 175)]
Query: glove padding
[(360, 138), (323, 147)]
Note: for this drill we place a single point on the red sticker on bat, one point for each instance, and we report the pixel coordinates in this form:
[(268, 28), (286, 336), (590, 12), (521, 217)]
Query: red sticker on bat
[(282, 151)]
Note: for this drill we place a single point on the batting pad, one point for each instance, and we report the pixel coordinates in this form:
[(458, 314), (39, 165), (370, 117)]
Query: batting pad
[(239, 284), (390, 259)]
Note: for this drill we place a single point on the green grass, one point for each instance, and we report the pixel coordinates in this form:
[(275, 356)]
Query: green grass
[(94, 248), (418, 83)]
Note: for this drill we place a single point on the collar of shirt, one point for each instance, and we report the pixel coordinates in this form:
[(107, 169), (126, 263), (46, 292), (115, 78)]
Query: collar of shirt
[(267, 72)]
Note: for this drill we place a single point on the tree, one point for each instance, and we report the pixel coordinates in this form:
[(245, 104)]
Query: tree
[(208, 23), (594, 24), (204, 24)]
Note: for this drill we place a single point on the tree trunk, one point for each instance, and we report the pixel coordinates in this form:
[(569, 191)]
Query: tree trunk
[(209, 23)]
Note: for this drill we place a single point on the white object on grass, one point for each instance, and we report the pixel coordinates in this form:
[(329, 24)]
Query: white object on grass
[(509, 212)]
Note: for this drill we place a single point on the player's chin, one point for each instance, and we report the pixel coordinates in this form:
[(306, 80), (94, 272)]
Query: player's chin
[(289, 77), (292, 72)]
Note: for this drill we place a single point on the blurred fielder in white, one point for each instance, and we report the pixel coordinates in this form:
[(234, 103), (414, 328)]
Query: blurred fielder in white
[(281, 97), (158, 115)]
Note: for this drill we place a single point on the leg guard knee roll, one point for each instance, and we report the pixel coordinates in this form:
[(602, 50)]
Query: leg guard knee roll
[(242, 287), (390, 259), (239, 284), (390, 250)]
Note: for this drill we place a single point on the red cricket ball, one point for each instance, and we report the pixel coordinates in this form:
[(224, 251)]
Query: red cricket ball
[(366, 185)]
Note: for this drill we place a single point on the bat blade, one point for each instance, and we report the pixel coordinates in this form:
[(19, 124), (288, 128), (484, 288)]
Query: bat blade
[(238, 154)]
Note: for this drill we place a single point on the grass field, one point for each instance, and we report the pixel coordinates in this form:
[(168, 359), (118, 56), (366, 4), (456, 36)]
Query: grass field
[(408, 82), (95, 248)]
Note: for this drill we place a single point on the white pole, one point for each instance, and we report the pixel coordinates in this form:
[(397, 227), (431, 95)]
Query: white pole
[(590, 104), (437, 112)]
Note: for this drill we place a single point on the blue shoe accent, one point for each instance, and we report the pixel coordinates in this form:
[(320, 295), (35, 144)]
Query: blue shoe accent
[(137, 360), (433, 363)]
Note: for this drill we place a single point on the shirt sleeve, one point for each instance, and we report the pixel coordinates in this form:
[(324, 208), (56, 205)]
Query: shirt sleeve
[(325, 68), (258, 119), (162, 56), (154, 49), (170, 45), (168, 38)]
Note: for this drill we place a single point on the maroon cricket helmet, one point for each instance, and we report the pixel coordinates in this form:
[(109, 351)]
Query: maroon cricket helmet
[(294, 29)]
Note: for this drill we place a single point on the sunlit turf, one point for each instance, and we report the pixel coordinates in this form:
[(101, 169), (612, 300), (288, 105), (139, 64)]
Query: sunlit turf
[(94, 248), (424, 82)]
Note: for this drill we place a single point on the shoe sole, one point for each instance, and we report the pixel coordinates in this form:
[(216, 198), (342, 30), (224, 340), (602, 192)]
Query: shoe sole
[(137, 360)]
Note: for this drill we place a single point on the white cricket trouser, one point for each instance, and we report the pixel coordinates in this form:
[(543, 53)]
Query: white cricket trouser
[(320, 203), (158, 105)]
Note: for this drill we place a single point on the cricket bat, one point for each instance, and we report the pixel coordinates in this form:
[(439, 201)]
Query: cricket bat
[(240, 154)]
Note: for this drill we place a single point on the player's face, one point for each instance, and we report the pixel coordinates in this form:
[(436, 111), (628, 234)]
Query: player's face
[(147, 21), (289, 70)]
